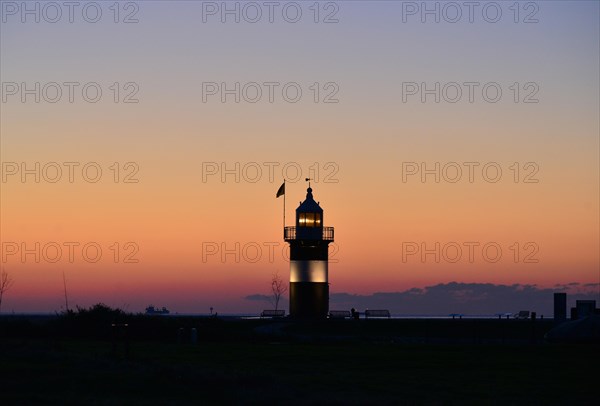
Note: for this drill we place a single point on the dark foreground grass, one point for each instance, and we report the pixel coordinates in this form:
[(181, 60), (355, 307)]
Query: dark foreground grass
[(88, 372)]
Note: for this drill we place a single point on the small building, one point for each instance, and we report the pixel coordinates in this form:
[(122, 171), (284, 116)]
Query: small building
[(585, 308)]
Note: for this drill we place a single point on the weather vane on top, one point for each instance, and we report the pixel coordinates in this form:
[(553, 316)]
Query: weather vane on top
[(308, 180)]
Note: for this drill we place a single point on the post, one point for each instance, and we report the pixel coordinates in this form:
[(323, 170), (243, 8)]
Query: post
[(284, 207)]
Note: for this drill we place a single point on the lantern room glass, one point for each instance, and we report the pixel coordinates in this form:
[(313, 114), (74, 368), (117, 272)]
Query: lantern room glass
[(309, 220)]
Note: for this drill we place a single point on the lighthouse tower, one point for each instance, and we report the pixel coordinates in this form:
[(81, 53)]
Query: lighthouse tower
[(309, 241)]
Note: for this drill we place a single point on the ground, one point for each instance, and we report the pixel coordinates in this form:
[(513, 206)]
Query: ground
[(307, 366)]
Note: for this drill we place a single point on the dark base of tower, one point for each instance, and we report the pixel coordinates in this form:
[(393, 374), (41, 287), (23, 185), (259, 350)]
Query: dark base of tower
[(309, 300)]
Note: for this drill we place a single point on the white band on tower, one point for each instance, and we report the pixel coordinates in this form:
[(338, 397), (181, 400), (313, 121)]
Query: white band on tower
[(308, 271)]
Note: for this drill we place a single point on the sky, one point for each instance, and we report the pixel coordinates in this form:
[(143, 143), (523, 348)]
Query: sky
[(142, 144)]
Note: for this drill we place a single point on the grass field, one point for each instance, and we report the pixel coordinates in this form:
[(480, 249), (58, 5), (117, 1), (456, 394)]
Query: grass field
[(363, 368)]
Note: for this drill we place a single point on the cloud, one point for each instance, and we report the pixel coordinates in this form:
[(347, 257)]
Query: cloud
[(466, 298), (459, 297)]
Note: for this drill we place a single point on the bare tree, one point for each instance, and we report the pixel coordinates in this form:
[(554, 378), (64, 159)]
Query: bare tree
[(5, 283), (278, 289)]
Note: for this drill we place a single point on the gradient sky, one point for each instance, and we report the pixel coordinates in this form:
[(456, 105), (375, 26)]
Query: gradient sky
[(176, 209)]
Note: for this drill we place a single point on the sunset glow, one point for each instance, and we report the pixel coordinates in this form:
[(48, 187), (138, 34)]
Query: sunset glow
[(170, 200)]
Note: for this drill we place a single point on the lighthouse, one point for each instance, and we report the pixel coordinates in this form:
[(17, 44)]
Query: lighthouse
[(309, 243)]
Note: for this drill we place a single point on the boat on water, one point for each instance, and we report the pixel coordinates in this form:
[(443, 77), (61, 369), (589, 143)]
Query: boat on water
[(151, 310)]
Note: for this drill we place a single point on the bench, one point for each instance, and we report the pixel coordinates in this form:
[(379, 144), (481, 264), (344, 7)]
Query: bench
[(377, 314), (340, 314), (272, 313)]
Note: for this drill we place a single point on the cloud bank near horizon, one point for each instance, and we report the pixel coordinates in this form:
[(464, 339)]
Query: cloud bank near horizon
[(464, 298)]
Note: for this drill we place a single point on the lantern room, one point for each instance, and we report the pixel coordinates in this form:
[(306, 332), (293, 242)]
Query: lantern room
[(309, 218)]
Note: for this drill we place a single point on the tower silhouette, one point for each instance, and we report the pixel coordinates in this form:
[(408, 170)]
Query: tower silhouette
[(309, 244)]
